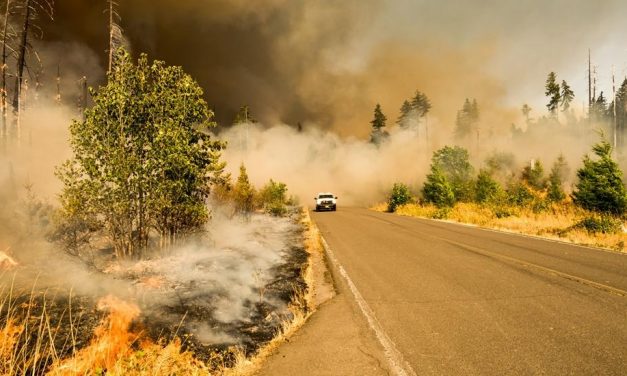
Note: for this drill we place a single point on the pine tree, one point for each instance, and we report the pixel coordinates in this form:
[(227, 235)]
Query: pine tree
[(243, 116), (467, 119), (526, 110), (405, 116), (378, 134), (567, 95), (599, 110), (243, 193), (553, 93), (600, 187), (533, 174), (421, 104), (559, 173)]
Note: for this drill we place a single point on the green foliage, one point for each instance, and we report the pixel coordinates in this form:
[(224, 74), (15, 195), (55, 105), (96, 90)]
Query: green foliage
[(598, 110), (533, 174), (454, 163), (600, 187), (605, 224), (567, 95), (518, 194), (142, 158), (243, 193), (486, 188), (441, 213), (559, 173), (399, 196), (378, 134), (406, 112), (420, 104), (437, 190), (273, 198), (467, 119), (552, 91)]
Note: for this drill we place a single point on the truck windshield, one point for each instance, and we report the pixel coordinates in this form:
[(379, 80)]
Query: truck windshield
[(325, 196)]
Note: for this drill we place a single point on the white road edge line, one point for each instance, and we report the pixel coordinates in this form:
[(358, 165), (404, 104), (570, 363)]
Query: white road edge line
[(396, 361)]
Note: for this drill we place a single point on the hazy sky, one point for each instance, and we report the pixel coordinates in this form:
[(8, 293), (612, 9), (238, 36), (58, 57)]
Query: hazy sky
[(330, 62)]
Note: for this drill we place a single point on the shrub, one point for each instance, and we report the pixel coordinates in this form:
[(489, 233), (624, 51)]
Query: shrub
[(273, 198), (437, 189), (605, 224), (533, 174), (600, 187), (518, 194), (441, 213), (399, 196), (486, 188), (243, 193), (559, 172)]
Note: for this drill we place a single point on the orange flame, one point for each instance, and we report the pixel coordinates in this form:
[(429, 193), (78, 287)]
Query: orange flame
[(112, 340)]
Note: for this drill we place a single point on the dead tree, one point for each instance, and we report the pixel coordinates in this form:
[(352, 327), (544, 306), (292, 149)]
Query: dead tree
[(3, 89), (31, 9), (82, 97), (116, 39)]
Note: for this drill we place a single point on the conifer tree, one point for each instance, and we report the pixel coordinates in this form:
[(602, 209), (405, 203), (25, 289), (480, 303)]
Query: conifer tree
[(405, 116), (566, 97), (437, 190), (600, 187), (378, 134), (559, 173), (552, 91)]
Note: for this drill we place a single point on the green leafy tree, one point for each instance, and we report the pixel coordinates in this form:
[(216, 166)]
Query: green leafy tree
[(559, 173), (600, 187), (142, 157), (243, 193), (552, 91), (437, 190), (399, 196), (533, 174), (378, 134), (566, 97), (486, 188), (454, 163)]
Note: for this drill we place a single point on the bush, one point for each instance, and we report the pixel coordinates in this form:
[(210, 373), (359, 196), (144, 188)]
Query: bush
[(273, 198), (600, 187), (441, 213), (604, 224), (437, 189), (519, 195), (533, 175), (486, 188), (399, 196)]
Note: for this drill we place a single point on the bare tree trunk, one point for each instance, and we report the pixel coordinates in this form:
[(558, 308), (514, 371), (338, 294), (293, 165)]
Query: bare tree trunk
[(58, 96), (111, 31), (3, 92), (21, 64), (82, 99)]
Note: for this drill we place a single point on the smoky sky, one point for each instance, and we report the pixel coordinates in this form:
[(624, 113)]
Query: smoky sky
[(328, 63)]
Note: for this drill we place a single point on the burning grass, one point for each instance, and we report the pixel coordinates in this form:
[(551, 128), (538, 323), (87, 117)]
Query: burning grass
[(558, 221), (171, 321)]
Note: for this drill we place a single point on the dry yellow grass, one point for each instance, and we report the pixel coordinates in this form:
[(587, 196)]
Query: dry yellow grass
[(557, 222)]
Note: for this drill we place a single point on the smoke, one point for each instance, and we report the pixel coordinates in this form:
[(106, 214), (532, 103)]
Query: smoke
[(329, 64)]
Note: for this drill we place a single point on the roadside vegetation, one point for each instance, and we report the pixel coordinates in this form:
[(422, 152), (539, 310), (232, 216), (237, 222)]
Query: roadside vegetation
[(525, 201)]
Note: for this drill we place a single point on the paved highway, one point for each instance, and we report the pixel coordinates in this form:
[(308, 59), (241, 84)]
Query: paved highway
[(457, 300)]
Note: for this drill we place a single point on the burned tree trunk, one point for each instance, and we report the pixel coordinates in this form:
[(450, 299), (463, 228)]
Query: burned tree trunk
[(3, 90), (21, 64)]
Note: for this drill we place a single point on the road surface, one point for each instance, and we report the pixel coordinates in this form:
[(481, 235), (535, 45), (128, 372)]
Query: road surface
[(457, 300)]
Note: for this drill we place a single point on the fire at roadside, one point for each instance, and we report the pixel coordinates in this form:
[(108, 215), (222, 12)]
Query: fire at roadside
[(232, 287)]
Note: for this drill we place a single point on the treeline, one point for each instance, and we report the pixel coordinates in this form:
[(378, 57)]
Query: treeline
[(499, 185)]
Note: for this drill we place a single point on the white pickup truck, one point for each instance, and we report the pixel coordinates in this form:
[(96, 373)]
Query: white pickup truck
[(326, 201)]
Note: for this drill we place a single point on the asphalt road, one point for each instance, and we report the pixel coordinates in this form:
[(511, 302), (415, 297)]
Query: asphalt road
[(457, 300)]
